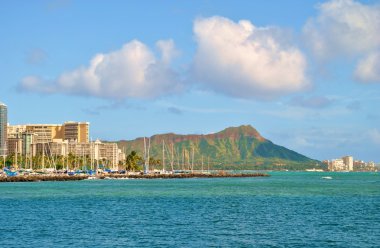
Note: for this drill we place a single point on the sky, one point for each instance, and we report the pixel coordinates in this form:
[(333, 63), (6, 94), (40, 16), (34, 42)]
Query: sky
[(305, 74)]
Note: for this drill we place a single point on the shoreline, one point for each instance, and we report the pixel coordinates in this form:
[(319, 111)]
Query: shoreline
[(38, 178)]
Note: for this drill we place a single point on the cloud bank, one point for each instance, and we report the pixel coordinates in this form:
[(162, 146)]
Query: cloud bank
[(241, 60), (237, 59), (347, 29), (131, 72), (343, 27)]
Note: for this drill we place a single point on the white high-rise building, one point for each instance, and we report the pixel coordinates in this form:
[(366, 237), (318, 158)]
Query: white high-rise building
[(3, 129), (349, 162)]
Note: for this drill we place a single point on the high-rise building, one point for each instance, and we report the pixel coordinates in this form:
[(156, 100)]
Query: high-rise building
[(76, 131), (14, 146), (46, 133), (349, 162), (3, 129), (28, 140)]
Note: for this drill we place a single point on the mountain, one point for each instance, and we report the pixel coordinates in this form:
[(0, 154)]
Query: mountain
[(233, 148)]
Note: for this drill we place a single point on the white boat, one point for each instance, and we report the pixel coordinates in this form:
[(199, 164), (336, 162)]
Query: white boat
[(327, 178), (314, 170)]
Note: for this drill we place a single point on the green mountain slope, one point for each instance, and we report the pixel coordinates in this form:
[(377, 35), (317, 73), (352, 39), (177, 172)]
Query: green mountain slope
[(233, 148)]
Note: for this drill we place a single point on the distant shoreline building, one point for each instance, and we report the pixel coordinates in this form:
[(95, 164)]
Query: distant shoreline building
[(349, 162), (345, 163)]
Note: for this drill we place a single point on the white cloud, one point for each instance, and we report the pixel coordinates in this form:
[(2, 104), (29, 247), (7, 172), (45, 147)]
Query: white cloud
[(131, 72), (168, 50), (343, 28), (34, 83), (368, 69), (245, 61)]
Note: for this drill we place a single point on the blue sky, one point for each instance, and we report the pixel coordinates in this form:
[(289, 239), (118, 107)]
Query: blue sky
[(305, 74)]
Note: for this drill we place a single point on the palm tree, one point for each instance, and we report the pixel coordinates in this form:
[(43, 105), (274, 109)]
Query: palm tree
[(133, 161), (154, 163)]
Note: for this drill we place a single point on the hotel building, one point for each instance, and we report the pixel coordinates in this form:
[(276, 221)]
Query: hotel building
[(45, 133)]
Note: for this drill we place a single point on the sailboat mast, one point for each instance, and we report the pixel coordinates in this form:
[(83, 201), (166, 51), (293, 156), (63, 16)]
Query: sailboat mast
[(92, 153), (43, 155), (145, 171), (163, 155), (192, 160), (202, 163), (172, 162), (183, 159), (31, 159), (16, 155), (67, 162), (177, 153), (148, 154)]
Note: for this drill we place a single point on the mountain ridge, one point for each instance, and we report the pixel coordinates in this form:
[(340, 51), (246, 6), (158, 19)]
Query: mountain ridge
[(241, 147)]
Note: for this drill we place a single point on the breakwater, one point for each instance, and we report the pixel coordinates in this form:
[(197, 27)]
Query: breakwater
[(37, 178), (181, 175)]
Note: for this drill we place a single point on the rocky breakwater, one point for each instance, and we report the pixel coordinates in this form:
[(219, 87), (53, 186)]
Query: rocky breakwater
[(38, 178), (64, 177), (181, 175)]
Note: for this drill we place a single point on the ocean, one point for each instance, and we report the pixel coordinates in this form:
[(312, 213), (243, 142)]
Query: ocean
[(287, 209)]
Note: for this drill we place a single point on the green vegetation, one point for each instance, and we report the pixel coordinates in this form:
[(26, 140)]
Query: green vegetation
[(133, 162)]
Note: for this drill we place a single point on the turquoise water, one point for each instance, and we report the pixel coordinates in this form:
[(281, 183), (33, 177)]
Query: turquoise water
[(288, 209)]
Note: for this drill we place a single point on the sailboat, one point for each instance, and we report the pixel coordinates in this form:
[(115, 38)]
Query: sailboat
[(9, 173)]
